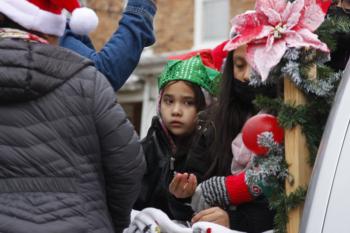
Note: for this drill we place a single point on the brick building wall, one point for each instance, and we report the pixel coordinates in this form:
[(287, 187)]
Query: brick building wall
[(174, 25), (239, 6), (174, 22), (109, 13)]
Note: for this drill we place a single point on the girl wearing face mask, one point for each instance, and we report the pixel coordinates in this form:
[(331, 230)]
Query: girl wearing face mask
[(219, 144), (185, 88)]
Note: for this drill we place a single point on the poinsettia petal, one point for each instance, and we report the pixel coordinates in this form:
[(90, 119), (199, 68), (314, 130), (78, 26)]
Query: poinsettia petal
[(248, 36), (246, 27), (262, 61), (311, 39), (312, 17), (292, 13), (274, 18), (267, 30), (245, 21), (269, 42), (278, 5), (294, 39), (242, 39), (324, 4), (309, 2)]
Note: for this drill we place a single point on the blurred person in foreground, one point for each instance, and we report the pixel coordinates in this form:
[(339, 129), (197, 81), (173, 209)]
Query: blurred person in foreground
[(70, 161)]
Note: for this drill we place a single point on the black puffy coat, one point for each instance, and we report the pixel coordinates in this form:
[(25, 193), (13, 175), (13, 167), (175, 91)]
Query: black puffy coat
[(161, 165), (70, 161)]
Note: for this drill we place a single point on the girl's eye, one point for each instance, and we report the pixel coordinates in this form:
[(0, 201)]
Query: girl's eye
[(189, 102), (239, 63), (167, 101)]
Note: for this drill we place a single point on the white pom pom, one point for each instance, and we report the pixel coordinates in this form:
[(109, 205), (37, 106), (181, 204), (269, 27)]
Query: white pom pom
[(83, 21)]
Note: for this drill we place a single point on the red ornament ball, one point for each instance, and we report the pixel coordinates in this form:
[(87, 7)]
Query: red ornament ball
[(258, 124)]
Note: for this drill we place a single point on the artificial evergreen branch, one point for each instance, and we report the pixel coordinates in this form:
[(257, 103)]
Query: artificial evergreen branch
[(336, 24), (283, 203)]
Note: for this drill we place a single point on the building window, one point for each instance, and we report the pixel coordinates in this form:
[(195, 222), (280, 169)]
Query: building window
[(212, 21)]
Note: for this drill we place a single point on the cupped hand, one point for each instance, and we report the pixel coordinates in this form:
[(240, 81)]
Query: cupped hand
[(183, 185)]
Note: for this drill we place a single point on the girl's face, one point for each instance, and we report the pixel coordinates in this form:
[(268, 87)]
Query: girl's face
[(241, 68), (177, 108)]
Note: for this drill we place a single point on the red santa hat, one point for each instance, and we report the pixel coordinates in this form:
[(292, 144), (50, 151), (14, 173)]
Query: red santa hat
[(46, 16)]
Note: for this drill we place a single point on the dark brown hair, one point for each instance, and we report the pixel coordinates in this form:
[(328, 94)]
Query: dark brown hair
[(229, 115), (198, 95), (6, 22)]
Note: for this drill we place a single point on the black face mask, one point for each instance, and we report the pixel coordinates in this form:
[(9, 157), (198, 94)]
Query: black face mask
[(247, 93), (243, 92)]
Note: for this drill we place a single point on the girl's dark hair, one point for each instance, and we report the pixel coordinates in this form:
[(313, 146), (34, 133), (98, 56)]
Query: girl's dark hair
[(233, 108), (198, 95), (228, 117)]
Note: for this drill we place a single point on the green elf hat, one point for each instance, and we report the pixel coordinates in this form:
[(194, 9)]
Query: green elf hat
[(192, 70)]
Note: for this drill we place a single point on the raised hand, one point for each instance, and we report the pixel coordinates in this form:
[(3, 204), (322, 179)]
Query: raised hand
[(183, 185)]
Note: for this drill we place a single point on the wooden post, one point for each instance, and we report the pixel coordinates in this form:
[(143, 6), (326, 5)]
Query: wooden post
[(297, 154)]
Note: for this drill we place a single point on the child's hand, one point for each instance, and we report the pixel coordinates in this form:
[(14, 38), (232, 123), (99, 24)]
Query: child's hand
[(214, 215), (183, 185)]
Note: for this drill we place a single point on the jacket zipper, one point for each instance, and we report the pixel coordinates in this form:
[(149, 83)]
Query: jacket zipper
[(172, 164)]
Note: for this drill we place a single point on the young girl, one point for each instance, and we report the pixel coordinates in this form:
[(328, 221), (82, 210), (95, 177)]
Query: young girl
[(185, 87)]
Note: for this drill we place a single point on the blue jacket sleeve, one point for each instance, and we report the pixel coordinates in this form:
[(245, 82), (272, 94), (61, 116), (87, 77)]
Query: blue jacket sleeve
[(120, 55)]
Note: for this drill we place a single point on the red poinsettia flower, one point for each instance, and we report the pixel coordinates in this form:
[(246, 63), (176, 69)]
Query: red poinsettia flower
[(275, 26)]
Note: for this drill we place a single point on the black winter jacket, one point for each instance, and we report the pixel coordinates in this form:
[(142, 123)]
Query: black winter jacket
[(161, 165), (70, 161)]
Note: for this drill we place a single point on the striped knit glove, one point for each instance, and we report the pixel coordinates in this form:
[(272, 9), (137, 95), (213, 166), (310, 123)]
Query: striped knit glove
[(225, 191), (209, 193)]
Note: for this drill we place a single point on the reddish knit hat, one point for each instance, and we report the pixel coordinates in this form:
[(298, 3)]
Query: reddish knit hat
[(219, 55), (212, 58), (205, 55), (46, 16)]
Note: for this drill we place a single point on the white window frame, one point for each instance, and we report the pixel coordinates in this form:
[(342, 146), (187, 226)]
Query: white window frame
[(199, 42)]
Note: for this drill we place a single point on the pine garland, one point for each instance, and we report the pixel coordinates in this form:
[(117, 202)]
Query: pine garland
[(283, 203), (312, 117), (331, 26)]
